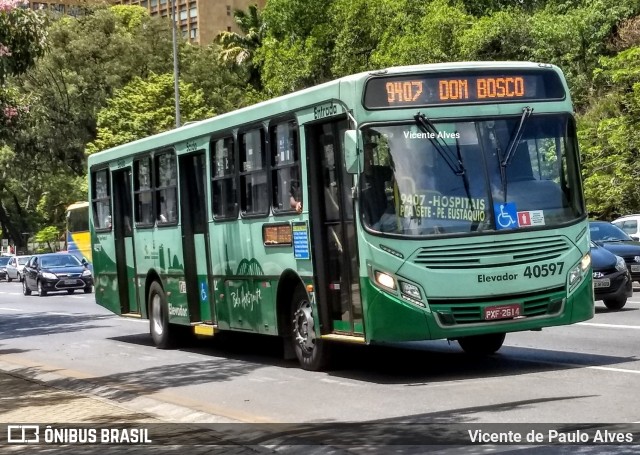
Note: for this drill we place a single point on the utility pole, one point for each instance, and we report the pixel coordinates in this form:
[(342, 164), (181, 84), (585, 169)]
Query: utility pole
[(176, 85)]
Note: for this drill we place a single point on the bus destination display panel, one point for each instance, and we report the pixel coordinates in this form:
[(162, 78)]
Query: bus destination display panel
[(462, 88)]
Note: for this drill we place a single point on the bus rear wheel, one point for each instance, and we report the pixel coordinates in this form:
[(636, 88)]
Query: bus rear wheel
[(159, 326), (482, 344), (312, 352)]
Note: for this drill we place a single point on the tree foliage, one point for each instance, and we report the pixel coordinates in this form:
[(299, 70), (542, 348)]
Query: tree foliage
[(238, 49), (145, 107), (610, 145), (106, 79)]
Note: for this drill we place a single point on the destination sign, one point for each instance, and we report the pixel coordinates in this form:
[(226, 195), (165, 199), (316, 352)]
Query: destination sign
[(461, 88)]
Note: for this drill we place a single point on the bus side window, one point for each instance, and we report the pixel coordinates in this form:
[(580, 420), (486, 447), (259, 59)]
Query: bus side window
[(166, 188), (254, 192), (224, 196), (101, 199), (143, 191), (285, 165)]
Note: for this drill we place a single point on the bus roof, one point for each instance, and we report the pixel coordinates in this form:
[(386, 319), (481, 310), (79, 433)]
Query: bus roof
[(286, 103), (78, 205)]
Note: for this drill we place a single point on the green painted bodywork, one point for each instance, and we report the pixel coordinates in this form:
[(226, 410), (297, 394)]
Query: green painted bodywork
[(245, 276)]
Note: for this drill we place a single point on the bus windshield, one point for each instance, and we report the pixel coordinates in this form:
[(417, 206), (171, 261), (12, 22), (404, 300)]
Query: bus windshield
[(458, 177), (78, 219)]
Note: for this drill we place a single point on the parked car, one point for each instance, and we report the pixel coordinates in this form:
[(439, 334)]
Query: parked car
[(611, 279), (55, 272), (4, 260), (15, 266), (615, 240), (629, 224)]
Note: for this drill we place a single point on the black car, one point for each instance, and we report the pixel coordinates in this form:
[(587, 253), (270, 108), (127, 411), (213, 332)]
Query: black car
[(611, 279), (55, 272), (617, 241), (4, 260)]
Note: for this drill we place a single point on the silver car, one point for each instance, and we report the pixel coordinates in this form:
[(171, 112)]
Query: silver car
[(15, 266)]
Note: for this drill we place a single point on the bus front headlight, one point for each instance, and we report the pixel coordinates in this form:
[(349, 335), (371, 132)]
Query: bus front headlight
[(385, 280), (578, 271), (410, 290)]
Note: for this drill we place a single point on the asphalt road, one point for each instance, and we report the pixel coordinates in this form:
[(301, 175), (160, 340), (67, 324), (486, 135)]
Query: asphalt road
[(587, 372)]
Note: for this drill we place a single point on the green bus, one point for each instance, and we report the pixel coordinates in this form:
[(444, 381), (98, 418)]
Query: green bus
[(439, 201)]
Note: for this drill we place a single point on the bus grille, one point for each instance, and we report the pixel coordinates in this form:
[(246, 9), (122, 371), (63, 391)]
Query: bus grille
[(491, 254), (469, 311)]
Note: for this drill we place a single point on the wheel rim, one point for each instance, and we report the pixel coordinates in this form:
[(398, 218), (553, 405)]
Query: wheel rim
[(40, 287), (156, 314), (24, 287), (303, 327)]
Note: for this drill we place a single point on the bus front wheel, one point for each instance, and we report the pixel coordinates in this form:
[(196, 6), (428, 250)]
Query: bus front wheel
[(482, 344), (311, 351), (159, 326)]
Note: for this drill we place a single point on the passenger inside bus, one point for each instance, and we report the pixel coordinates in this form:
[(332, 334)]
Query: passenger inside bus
[(295, 196)]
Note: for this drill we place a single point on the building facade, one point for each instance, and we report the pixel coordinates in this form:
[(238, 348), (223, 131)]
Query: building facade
[(199, 21)]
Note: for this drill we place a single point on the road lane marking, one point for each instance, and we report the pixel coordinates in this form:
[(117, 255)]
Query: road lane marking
[(613, 326), (10, 309), (615, 370)]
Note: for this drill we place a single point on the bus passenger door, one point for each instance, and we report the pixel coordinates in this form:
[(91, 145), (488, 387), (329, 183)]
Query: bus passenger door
[(332, 223), (123, 238), (195, 240)]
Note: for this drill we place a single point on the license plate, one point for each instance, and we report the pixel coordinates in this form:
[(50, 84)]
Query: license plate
[(69, 281), (502, 312), (635, 268), (602, 283)]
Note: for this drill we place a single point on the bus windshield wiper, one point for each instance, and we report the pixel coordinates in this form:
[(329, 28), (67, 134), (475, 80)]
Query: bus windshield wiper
[(526, 113), (515, 138), (455, 164)]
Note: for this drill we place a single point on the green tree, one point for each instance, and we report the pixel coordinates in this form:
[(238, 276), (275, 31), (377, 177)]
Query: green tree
[(22, 40), (609, 143), (145, 107), (361, 26), (222, 89), (49, 235), (238, 49), (296, 51), (504, 35), (424, 33), (87, 59)]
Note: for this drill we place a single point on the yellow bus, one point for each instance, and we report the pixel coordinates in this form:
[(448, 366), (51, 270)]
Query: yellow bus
[(78, 238)]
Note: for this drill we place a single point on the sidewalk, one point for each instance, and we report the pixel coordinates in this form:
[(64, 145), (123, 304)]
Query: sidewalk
[(30, 401)]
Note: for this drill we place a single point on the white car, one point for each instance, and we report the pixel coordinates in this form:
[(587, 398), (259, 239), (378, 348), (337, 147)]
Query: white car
[(629, 224), (15, 266)]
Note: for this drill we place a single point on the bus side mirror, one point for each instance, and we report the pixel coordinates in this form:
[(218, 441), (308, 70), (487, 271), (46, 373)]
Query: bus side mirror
[(353, 161), (84, 262)]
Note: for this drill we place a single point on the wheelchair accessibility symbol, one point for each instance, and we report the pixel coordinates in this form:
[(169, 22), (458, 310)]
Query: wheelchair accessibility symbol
[(203, 292), (506, 215)]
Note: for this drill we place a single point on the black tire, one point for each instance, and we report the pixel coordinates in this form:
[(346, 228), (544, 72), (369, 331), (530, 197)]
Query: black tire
[(41, 291), (312, 353), (70, 291), (615, 304), (164, 336), (88, 290), (20, 277), (9, 280), (482, 344), (25, 288)]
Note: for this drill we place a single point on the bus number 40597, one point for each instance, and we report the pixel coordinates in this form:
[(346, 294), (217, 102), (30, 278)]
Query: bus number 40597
[(537, 271)]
